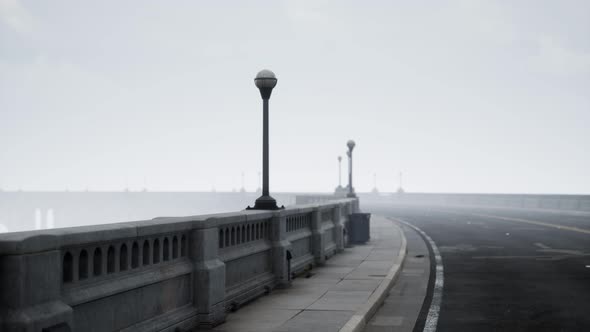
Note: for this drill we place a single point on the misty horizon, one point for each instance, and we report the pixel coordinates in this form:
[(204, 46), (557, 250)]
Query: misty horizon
[(474, 97)]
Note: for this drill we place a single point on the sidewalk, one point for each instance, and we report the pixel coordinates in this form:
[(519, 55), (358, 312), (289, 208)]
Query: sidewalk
[(342, 294)]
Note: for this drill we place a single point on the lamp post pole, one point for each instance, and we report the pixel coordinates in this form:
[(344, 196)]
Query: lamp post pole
[(243, 189), (350, 145), (265, 161), (339, 171), (265, 81), (400, 190)]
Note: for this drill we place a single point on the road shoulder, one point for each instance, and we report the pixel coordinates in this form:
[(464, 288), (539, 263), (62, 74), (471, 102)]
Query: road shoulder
[(408, 300)]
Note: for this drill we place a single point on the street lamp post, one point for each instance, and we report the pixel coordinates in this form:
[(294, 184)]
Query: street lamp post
[(339, 171), (350, 145), (400, 190), (265, 81), (375, 190)]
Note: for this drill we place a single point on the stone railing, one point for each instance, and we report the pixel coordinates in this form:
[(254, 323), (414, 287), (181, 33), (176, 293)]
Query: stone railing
[(315, 198), (170, 273), (580, 203)]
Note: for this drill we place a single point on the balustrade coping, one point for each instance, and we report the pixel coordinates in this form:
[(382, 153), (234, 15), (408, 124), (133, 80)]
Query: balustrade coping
[(29, 242), (298, 209), (327, 206)]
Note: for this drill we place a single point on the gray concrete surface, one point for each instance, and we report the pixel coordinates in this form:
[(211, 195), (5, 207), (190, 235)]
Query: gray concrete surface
[(331, 294), (404, 302)]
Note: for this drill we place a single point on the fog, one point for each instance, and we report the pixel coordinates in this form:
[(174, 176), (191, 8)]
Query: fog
[(460, 96)]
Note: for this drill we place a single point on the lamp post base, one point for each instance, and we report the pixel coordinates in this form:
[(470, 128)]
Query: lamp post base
[(351, 195), (340, 191), (265, 203)]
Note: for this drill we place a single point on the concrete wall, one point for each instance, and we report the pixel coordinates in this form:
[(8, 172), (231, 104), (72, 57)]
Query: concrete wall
[(164, 274), (580, 203)]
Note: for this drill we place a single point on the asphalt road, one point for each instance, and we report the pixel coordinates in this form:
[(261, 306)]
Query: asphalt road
[(508, 270)]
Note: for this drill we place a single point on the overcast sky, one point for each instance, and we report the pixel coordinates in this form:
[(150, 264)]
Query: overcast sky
[(460, 96)]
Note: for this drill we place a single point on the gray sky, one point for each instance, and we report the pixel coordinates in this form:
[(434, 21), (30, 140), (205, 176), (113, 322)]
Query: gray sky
[(462, 96)]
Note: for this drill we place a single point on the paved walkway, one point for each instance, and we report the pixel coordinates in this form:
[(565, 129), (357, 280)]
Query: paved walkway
[(348, 288)]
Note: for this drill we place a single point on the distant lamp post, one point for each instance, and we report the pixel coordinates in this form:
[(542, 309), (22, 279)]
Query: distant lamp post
[(350, 145), (339, 171), (400, 190), (259, 189), (375, 190), (340, 190), (243, 189), (265, 81)]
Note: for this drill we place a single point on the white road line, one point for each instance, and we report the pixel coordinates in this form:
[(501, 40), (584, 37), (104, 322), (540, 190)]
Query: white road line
[(434, 310), (532, 222), (542, 246)]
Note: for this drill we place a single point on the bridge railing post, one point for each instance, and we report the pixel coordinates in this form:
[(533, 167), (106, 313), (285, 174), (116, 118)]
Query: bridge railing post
[(317, 237), (338, 227), (280, 248), (30, 283), (209, 278)]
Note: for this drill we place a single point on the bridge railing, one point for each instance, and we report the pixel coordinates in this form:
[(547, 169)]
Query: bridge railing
[(162, 273), (299, 233), (576, 203)]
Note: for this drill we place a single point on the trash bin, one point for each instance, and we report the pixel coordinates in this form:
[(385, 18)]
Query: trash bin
[(360, 227)]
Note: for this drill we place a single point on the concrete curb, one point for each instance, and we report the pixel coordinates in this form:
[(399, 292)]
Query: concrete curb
[(359, 320)]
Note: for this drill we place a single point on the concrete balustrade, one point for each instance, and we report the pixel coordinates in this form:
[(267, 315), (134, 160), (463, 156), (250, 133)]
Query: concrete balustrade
[(161, 274), (299, 236)]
